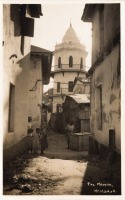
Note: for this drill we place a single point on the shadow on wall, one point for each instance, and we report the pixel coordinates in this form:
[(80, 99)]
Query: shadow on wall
[(101, 178)]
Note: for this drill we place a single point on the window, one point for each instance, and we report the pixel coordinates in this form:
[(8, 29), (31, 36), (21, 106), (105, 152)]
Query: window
[(70, 61), (70, 88), (11, 108), (59, 62), (58, 86), (81, 63)]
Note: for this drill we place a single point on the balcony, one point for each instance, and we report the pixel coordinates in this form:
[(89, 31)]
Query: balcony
[(65, 68)]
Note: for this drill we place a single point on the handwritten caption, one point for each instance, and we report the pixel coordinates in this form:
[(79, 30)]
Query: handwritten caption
[(102, 188)]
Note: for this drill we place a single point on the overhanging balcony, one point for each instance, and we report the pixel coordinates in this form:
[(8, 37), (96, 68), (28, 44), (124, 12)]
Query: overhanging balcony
[(65, 68)]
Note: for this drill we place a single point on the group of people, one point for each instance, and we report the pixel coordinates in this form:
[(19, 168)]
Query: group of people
[(37, 139)]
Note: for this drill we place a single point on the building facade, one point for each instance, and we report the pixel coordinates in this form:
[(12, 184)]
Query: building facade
[(39, 75), (18, 28), (105, 77), (70, 62), (81, 86), (76, 108)]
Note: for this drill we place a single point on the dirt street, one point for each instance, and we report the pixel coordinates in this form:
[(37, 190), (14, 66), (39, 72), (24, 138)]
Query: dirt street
[(60, 172)]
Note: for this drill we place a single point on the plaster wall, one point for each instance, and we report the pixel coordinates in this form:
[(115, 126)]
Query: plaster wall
[(95, 36), (107, 75), (35, 97), (15, 71)]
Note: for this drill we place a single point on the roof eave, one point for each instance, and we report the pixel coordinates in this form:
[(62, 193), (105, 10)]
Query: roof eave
[(88, 12), (39, 50)]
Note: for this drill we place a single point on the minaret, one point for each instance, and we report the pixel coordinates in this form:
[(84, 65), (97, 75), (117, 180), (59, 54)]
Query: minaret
[(70, 62)]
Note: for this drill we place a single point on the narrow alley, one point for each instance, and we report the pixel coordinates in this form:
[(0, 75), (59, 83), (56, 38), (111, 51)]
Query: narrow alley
[(61, 99), (60, 171)]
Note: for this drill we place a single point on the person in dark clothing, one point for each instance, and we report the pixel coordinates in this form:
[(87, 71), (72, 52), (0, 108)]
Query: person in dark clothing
[(30, 135), (30, 140), (42, 139)]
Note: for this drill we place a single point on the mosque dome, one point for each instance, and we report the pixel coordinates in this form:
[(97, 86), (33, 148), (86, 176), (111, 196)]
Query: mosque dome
[(70, 36)]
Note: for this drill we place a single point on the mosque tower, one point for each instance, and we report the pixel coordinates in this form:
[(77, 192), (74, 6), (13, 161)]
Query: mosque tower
[(70, 62)]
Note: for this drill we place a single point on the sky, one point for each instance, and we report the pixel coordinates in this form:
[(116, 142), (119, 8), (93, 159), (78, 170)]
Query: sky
[(52, 26)]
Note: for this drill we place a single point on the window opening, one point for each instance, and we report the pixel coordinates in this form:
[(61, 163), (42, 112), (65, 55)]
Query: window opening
[(58, 86), (81, 63), (70, 61), (59, 62), (11, 108)]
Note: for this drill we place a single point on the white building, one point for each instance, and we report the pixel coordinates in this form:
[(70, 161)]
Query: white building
[(70, 62)]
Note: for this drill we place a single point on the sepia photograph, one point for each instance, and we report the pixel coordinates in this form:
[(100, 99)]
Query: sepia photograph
[(61, 88)]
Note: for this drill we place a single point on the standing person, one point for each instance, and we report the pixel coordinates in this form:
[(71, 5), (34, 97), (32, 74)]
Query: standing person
[(35, 143), (70, 129), (30, 135), (42, 139)]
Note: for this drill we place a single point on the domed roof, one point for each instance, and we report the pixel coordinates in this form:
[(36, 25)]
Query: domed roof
[(70, 36)]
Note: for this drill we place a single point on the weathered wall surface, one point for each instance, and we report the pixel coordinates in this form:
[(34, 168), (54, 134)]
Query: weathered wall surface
[(95, 37), (107, 75), (35, 96), (15, 71), (110, 26), (111, 22)]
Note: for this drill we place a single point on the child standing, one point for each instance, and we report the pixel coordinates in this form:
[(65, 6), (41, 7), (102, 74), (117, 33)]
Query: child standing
[(30, 135), (35, 143), (42, 139)]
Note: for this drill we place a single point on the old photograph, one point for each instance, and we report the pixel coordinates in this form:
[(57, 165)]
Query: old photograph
[(62, 98)]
